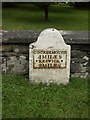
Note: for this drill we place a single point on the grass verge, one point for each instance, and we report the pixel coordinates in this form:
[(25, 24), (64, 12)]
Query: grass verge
[(26, 16), (21, 99)]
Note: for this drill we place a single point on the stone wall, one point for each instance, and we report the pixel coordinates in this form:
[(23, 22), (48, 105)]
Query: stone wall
[(14, 51)]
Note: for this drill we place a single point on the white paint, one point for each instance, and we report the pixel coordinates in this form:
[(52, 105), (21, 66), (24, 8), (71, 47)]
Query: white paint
[(49, 40)]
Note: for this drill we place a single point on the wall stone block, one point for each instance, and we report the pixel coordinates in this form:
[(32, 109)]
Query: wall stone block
[(14, 51)]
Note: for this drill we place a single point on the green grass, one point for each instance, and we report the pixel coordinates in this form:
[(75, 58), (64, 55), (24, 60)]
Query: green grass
[(21, 99), (27, 17)]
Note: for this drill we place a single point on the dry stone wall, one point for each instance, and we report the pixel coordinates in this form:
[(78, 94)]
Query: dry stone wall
[(14, 51)]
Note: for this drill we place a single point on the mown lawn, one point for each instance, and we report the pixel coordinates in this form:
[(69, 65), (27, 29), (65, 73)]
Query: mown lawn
[(26, 16), (21, 99)]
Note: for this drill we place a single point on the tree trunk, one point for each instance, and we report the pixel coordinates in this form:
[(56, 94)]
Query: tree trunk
[(46, 12)]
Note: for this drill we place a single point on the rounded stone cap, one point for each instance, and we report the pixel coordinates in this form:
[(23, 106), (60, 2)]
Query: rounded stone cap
[(49, 38)]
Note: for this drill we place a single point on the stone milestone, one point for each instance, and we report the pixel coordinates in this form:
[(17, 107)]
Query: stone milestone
[(49, 58)]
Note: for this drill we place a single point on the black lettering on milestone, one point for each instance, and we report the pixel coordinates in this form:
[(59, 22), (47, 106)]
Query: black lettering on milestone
[(39, 57)]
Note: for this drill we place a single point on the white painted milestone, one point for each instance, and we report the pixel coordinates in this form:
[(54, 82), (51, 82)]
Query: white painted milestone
[(49, 58)]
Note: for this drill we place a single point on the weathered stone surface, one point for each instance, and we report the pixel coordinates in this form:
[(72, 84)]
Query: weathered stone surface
[(83, 68), (77, 54), (5, 48), (88, 69), (75, 67), (20, 49), (86, 57), (79, 41), (1, 60), (28, 36), (17, 65), (0, 48), (0, 54), (81, 47), (78, 60), (88, 53), (81, 75), (89, 62), (8, 54), (3, 66), (49, 59), (13, 64)]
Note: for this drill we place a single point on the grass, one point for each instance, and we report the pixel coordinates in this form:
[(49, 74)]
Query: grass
[(21, 100), (26, 16)]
